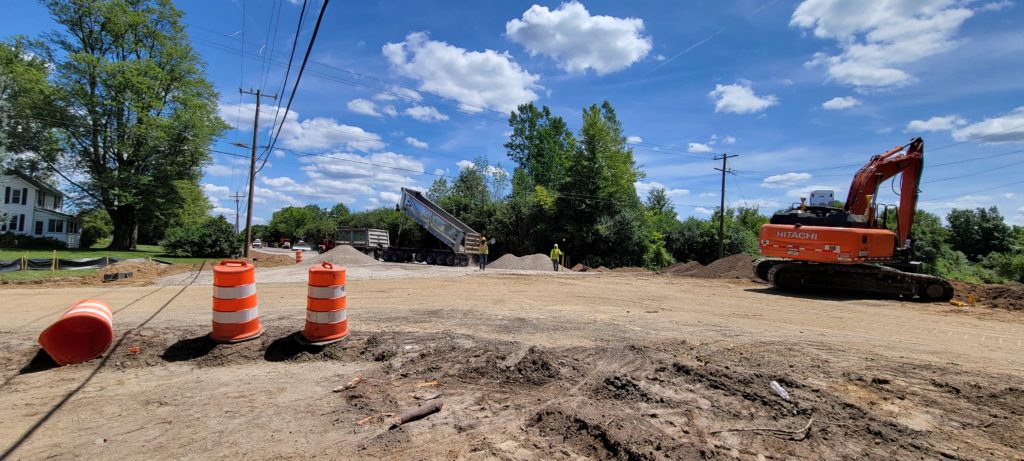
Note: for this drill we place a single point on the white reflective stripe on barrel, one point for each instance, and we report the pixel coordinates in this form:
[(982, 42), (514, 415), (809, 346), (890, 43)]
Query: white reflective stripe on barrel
[(82, 310), (241, 291), (327, 292), (241, 316), (325, 317), (95, 305)]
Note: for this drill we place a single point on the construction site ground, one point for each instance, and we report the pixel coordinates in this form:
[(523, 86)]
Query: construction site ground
[(529, 365)]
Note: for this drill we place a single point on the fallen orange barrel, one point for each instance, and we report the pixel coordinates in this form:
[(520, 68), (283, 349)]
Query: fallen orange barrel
[(326, 321), (83, 333), (236, 316), (298, 256)]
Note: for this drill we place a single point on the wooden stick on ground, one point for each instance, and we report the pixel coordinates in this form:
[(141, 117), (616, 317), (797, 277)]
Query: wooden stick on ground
[(414, 414)]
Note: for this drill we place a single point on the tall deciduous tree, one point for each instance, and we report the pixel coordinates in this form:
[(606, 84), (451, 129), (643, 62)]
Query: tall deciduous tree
[(978, 232), (27, 140), (139, 112)]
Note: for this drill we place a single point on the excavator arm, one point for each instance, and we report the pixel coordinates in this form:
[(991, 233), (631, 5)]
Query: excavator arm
[(880, 169)]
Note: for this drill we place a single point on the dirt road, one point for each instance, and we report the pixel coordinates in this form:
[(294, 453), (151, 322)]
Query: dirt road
[(614, 366)]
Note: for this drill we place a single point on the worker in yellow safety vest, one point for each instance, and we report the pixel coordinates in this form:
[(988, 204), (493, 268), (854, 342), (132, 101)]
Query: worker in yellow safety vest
[(556, 254), (484, 251)]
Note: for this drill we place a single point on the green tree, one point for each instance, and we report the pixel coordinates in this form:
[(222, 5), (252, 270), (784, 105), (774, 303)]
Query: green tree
[(27, 105), (138, 113), (288, 222), (541, 144), (978, 232)]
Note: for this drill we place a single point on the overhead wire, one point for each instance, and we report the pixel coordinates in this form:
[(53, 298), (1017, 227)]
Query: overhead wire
[(298, 79)]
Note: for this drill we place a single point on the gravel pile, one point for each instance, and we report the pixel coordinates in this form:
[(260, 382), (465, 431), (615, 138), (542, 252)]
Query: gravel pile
[(535, 262), (579, 267), (629, 269), (738, 266), (682, 268), (342, 254)]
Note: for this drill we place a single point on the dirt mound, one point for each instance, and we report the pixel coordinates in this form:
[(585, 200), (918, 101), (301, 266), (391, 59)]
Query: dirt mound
[(738, 266), (681, 268), (601, 269), (534, 262), (629, 269), (266, 259), (579, 267), (342, 254), (1000, 296)]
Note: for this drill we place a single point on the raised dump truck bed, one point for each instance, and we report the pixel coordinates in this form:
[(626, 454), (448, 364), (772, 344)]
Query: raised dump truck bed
[(461, 240)]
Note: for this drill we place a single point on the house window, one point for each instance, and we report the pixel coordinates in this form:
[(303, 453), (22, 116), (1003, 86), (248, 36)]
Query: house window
[(15, 195), (39, 228), (13, 226), (40, 199), (51, 225), (72, 227)]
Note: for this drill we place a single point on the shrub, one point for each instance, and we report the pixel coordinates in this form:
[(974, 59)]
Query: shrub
[(28, 242), (209, 238), (96, 225)]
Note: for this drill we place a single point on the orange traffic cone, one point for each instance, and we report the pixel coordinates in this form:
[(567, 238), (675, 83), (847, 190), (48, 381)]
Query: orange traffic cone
[(326, 321), (298, 256), (236, 316), (83, 333)]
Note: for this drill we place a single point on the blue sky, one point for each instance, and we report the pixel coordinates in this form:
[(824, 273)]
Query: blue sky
[(804, 92)]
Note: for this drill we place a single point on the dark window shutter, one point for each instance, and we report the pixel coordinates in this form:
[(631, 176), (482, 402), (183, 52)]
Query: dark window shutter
[(24, 196), (21, 224), (7, 194)]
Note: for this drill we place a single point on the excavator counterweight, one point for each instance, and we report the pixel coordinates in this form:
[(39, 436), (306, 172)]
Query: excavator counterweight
[(853, 248)]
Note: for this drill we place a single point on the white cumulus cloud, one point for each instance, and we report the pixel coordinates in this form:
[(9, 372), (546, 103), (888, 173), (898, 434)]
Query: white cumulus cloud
[(364, 106), (415, 142), (1002, 129), (323, 133), (740, 98), (634, 139), (875, 52), (781, 181), (698, 148), (945, 123), (643, 188), (840, 103), (396, 92), (477, 79), (579, 41), (425, 114)]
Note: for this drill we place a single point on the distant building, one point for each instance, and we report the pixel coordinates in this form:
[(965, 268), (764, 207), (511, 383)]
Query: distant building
[(31, 207)]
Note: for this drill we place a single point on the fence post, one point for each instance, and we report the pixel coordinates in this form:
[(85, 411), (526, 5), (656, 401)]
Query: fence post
[(53, 262)]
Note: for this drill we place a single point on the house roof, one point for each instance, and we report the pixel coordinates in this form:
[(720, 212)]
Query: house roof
[(57, 213), (35, 182)]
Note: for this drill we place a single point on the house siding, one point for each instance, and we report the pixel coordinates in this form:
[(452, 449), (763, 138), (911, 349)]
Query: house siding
[(26, 212)]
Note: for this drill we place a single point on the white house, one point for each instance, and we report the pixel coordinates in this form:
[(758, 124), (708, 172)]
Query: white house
[(31, 207)]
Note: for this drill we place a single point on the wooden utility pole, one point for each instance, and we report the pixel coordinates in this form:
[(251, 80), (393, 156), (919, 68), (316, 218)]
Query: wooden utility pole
[(252, 167), (721, 207), (237, 197)]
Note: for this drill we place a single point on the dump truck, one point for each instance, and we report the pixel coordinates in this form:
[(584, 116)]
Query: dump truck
[(461, 242), (372, 242)]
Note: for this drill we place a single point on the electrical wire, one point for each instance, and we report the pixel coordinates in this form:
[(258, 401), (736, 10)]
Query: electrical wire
[(298, 79)]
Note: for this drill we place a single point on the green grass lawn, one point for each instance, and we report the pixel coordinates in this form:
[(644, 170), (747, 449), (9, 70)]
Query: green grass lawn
[(21, 276), (99, 251)]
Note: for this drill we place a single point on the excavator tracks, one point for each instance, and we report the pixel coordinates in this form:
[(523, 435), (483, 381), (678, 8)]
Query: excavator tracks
[(798, 276)]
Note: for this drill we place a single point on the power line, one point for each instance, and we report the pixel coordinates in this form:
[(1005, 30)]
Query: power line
[(288, 69), (298, 79), (973, 191), (976, 173)]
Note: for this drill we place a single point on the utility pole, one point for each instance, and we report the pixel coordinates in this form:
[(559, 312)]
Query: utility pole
[(721, 207), (252, 167), (237, 197)]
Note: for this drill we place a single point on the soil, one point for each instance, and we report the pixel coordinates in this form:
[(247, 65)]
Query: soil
[(681, 268), (600, 269), (267, 259), (1000, 296), (738, 266), (654, 368), (534, 262), (629, 269), (580, 267)]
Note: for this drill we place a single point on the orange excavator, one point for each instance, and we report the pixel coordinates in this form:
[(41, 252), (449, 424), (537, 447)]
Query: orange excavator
[(820, 247)]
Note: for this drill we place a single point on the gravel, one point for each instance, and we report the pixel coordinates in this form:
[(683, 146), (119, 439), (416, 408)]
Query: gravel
[(534, 262), (344, 255), (738, 266)]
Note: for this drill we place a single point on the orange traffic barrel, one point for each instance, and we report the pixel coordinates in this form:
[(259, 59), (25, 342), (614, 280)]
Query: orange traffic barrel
[(83, 333), (298, 256), (236, 316), (326, 321)]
